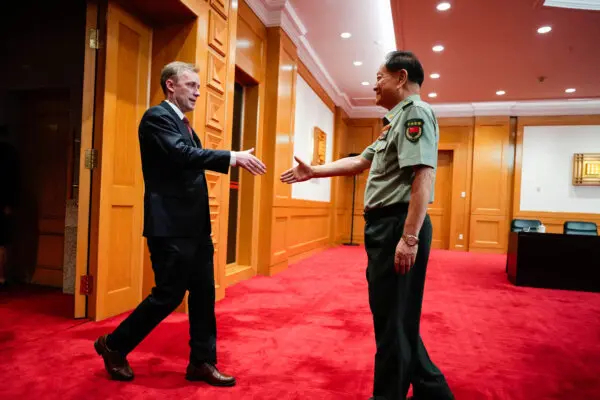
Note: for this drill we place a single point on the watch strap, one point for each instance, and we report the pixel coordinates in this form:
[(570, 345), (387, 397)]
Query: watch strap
[(410, 240)]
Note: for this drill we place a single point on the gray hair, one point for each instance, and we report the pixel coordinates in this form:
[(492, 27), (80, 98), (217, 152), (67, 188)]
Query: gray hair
[(174, 70)]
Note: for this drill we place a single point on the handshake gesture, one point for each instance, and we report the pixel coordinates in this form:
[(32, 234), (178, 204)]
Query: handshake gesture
[(249, 162), (300, 173)]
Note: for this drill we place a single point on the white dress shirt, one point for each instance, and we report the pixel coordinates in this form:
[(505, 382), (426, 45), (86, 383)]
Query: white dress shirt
[(180, 115)]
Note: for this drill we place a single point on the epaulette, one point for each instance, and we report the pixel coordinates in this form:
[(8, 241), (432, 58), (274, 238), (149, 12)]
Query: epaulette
[(408, 104)]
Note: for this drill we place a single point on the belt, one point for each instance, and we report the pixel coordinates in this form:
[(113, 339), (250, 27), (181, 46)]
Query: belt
[(386, 211)]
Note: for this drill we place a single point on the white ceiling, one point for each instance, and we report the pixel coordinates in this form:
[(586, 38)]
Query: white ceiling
[(369, 22), (315, 27)]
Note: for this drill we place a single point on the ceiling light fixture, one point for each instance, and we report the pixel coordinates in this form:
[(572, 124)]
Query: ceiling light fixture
[(438, 48), (432, 94), (570, 90), (500, 92), (357, 63), (435, 76), (443, 6), (544, 29), (345, 35), (365, 83)]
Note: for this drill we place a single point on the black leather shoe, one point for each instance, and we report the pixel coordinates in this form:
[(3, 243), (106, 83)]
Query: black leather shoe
[(208, 373), (116, 365)]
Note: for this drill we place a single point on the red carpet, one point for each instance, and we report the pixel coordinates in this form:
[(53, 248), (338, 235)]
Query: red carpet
[(306, 334), (23, 320)]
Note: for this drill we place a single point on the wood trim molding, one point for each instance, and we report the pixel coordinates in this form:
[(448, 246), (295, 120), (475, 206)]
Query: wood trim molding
[(456, 121), (492, 120), (364, 122), (85, 176), (253, 21)]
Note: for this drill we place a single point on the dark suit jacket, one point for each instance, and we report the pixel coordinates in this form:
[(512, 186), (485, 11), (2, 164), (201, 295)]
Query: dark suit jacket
[(176, 193)]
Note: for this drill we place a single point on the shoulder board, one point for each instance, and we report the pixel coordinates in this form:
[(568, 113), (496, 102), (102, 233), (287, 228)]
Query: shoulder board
[(408, 104)]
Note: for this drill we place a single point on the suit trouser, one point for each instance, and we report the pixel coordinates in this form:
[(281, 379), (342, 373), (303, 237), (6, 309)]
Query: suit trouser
[(179, 264), (395, 302)]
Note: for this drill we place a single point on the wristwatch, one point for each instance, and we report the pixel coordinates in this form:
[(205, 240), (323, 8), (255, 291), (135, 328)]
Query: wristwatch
[(410, 240)]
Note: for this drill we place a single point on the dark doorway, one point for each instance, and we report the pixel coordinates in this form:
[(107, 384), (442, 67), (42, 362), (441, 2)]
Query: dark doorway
[(234, 186)]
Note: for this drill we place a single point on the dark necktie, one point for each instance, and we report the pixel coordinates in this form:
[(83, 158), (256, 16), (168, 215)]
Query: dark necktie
[(187, 123)]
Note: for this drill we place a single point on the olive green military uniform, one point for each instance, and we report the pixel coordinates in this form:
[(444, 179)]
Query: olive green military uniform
[(410, 138)]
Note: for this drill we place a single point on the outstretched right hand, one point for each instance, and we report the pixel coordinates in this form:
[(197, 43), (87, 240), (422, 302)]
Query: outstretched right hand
[(300, 173), (246, 160)]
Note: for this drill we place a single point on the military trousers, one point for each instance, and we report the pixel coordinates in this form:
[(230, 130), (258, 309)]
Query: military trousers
[(395, 301)]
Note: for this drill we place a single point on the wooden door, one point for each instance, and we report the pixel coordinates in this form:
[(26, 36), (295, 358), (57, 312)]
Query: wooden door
[(440, 209), (119, 241), (361, 134), (85, 175)]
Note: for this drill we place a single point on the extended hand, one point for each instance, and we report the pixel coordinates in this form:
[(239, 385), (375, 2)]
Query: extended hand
[(300, 173), (405, 257), (246, 160)]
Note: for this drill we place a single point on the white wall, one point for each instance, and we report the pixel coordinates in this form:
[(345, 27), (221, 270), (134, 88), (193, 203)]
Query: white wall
[(547, 170), (311, 111)]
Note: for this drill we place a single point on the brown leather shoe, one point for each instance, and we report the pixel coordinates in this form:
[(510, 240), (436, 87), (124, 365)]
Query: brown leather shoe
[(116, 365), (208, 373)]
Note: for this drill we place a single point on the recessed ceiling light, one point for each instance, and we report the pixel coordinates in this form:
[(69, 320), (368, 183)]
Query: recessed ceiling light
[(438, 48), (443, 6), (500, 92), (365, 83), (357, 63), (432, 94), (346, 35), (544, 29), (434, 76), (570, 90)]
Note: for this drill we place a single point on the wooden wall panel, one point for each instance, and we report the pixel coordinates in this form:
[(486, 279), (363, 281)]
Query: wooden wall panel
[(250, 55), (456, 135), (554, 220), (218, 32), (217, 72), (297, 227), (221, 6), (486, 179), (361, 133), (277, 146), (493, 159), (209, 41), (284, 144), (170, 43), (250, 71), (224, 12), (339, 207)]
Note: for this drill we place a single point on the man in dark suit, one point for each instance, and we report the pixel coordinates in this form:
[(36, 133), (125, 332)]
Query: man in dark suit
[(177, 226)]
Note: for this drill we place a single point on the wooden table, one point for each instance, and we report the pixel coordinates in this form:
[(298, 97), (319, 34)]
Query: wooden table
[(554, 261)]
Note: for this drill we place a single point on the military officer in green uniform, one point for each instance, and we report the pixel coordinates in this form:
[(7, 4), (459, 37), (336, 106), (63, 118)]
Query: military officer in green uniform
[(398, 231)]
